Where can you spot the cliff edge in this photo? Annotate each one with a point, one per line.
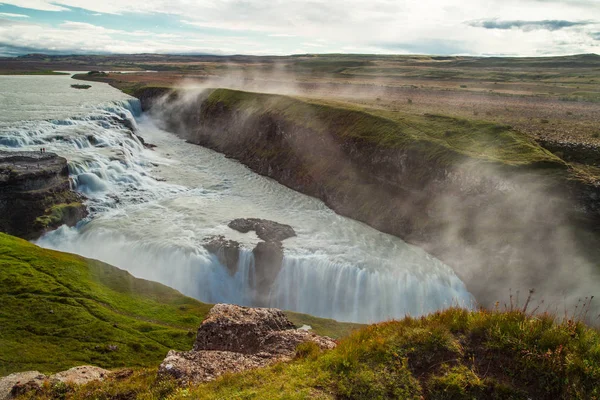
(35, 194)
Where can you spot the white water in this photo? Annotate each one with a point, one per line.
(151, 210)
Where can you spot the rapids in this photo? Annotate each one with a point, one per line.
(150, 211)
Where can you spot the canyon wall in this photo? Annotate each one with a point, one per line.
(503, 216)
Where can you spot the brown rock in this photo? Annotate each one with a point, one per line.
(228, 251)
(239, 329)
(203, 366)
(23, 382)
(234, 339)
(269, 231)
(80, 375)
(15, 384)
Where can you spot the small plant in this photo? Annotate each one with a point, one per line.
(409, 101)
(463, 86)
(569, 113)
(544, 121)
(595, 135)
(307, 350)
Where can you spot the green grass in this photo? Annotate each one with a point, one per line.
(443, 139)
(450, 355)
(59, 310)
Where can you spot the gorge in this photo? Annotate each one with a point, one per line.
(152, 210)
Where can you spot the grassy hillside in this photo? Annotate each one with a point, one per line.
(59, 310)
(441, 138)
(455, 354)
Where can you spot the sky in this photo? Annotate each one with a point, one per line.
(281, 27)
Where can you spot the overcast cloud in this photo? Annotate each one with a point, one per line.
(469, 27)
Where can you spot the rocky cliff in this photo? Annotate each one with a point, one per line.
(35, 194)
(482, 197)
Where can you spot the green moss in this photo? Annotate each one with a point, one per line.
(59, 310)
(56, 214)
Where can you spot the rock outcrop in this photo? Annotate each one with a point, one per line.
(35, 194)
(23, 382)
(234, 339)
(227, 251)
(268, 254)
(269, 231)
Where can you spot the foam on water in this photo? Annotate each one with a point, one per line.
(154, 228)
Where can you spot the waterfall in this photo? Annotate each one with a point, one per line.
(312, 285)
(151, 211)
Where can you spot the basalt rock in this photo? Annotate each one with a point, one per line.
(234, 339)
(228, 251)
(269, 231)
(35, 194)
(268, 259)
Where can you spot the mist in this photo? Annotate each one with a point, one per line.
(502, 229)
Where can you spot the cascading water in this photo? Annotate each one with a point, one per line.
(152, 210)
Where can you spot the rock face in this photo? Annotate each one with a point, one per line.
(233, 339)
(268, 255)
(228, 251)
(23, 382)
(35, 194)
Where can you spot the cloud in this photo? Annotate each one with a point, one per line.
(517, 27)
(11, 15)
(36, 5)
(595, 35)
(550, 25)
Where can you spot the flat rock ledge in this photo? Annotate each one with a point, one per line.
(269, 231)
(23, 382)
(234, 339)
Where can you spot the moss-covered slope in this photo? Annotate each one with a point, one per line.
(455, 354)
(439, 138)
(58, 310)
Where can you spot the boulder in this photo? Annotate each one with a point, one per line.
(23, 382)
(80, 375)
(15, 384)
(239, 329)
(233, 339)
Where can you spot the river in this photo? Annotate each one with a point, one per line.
(151, 210)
